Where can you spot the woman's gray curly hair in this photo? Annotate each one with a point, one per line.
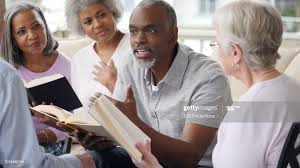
(73, 7)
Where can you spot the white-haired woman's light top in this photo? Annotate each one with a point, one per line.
(254, 131)
(83, 65)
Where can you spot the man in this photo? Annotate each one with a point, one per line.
(177, 94)
(18, 143)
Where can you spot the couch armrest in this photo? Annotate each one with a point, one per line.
(70, 46)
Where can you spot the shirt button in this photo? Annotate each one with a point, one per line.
(155, 94)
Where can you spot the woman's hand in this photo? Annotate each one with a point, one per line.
(106, 74)
(86, 160)
(46, 136)
(149, 160)
(42, 118)
(93, 99)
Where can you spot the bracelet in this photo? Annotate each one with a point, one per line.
(46, 135)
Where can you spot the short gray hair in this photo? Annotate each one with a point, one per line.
(255, 26)
(171, 14)
(9, 50)
(73, 7)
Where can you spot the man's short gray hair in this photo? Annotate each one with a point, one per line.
(171, 14)
(9, 49)
(73, 7)
(255, 26)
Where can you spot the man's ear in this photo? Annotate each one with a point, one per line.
(237, 53)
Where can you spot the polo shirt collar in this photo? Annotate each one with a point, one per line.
(175, 75)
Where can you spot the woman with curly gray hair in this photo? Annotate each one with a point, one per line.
(98, 20)
(30, 47)
(110, 47)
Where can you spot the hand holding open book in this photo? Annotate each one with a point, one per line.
(68, 122)
(105, 119)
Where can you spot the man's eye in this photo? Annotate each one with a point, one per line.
(151, 30)
(132, 31)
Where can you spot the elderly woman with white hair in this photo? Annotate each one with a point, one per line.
(248, 35)
(247, 41)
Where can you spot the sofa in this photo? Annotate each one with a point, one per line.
(289, 62)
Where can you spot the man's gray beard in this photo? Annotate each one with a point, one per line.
(146, 64)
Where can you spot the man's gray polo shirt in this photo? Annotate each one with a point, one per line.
(194, 90)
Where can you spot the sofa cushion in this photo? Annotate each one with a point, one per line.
(293, 68)
(70, 47)
(287, 55)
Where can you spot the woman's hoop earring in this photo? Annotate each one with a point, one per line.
(235, 66)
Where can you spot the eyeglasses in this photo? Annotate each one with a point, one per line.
(214, 45)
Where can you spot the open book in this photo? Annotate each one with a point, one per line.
(103, 119)
(70, 121)
(53, 89)
(124, 131)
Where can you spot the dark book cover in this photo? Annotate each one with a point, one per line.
(59, 92)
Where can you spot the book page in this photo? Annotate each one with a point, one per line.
(131, 133)
(117, 124)
(96, 129)
(69, 121)
(58, 112)
(81, 119)
(42, 80)
(102, 118)
(135, 134)
(50, 118)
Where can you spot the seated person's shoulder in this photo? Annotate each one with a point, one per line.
(7, 72)
(201, 66)
(283, 89)
(64, 58)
